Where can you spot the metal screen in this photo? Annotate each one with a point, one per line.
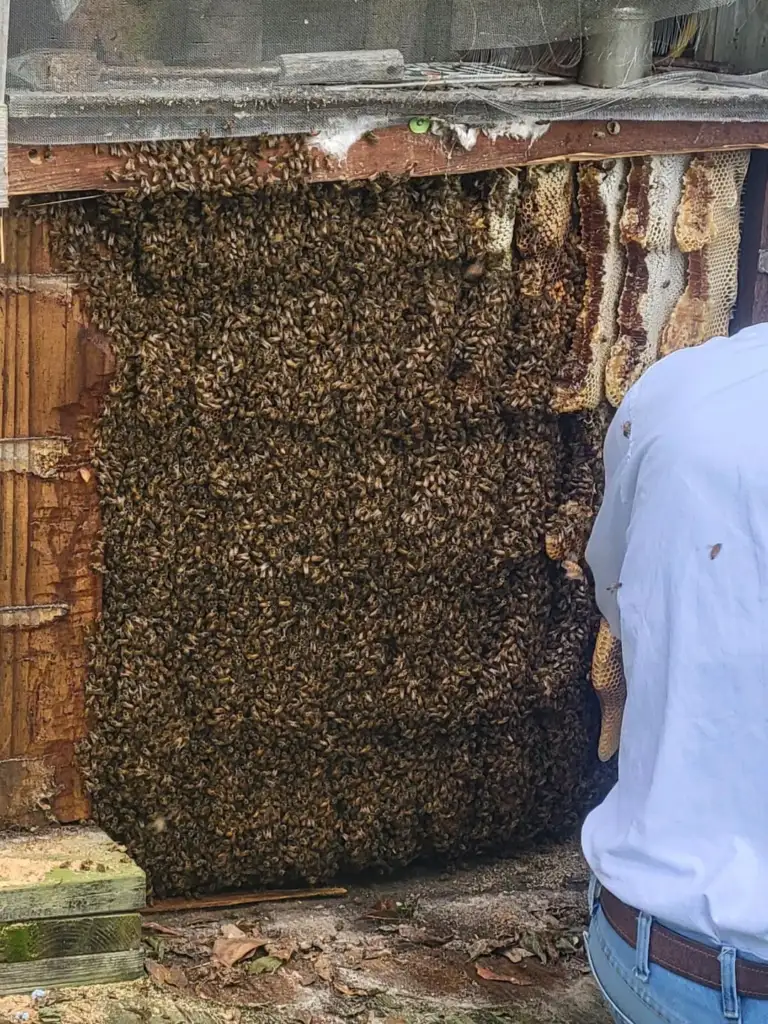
(128, 70)
(103, 36)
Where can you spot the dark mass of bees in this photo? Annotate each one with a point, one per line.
(332, 638)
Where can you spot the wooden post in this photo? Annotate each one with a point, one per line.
(51, 378)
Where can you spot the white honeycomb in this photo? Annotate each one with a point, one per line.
(501, 219)
(655, 277)
(708, 231)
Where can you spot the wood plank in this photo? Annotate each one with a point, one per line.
(342, 66)
(66, 872)
(23, 941)
(53, 376)
(399, 151)
(68, 971)
(239, 899)
(737, 34)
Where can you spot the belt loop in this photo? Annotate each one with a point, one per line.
(593, 896)
(643, 946)
(731, 1002)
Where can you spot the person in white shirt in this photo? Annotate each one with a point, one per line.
(679, 556)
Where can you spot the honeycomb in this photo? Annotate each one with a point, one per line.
(331, 636)
(708, 232)
(611, 689)
(501, 218)
(655, 273)
(602, 190)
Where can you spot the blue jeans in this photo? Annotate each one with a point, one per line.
(641, 993)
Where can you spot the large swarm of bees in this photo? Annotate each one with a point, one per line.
(345, 623)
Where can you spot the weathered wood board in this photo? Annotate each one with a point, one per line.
(66, 872)
(52, 376)
(23, 941)
(67, 971)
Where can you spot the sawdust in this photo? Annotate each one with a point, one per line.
(41, 855)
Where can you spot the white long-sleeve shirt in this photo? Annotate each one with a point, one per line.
(679, 554)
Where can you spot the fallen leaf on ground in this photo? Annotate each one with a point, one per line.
(160, 929)
(421, 936)
(517, 954)
(231, 931)
(323, 968)
(483, 947)
(229, 952)
(345, 990)
(163, 975)
(265, 965)
(282, 950)
(488, 975)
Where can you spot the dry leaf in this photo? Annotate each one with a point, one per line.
(483, 947)
(229, 952)
(161, 929)
(517, 954)
(345, 990)
(231, 931)
(265, 965)
(283, 950)
(163, 975)
(488, 975)
(420, 936)
(323, 968)
(177, 977)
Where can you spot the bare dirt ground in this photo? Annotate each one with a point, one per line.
(497, 943)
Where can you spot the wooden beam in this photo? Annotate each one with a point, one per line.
(73, 872)
(53, 372)
(399, 151)
(23, 941)
(68, 971)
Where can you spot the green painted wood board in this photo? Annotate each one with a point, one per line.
(61, 972)
(66, 872)
(48, 939)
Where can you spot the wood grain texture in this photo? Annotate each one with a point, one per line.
(51, 379)
(239, 899)
(68, 971)
(26, 790)
(23, 941)
(399, 151)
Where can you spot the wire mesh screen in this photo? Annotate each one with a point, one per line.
(129, 70)
(246, 33)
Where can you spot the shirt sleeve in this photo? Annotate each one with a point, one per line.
(608, 542)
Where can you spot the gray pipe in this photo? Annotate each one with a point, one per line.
(618, 50)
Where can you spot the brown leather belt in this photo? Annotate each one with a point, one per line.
(682, 956)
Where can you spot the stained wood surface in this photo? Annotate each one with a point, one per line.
(66, 872)
(239, 899)
(399, 151)
(23, 941)
(68, 971)
(51, 379)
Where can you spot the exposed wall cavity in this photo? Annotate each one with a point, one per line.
(345, 620)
